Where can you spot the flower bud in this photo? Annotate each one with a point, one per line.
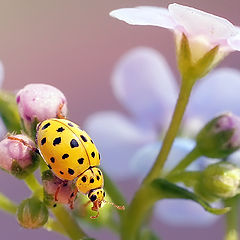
(38, 102)
(50, 185)
(220, 137)
(32, 213)
(16, 158)
(219, 180)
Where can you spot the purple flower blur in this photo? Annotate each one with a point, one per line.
(144, 84)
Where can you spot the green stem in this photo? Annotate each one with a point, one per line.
(68, 223)
(53, 225)
(32, 183)
(136, 211)
(172, 131)
(142, 200)
(189, 178)
(7, 205)
(232, 219)
(185, 162)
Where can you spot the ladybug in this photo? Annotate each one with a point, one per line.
(72, 155)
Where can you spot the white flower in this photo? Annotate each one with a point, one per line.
(203, 30)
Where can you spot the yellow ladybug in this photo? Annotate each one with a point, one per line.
(71, 154)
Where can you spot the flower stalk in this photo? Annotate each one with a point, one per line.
(232, 219)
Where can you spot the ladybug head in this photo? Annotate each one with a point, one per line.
(96, 196)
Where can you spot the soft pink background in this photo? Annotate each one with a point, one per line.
(74, 45)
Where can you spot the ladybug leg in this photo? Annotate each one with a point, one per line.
(72, 198)
(59, 112)
(24, 143)
(60, 186)
(95, 208)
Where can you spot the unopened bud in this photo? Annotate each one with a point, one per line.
(50, 185)
(220, 137)
(17, 158)
(220, 180)
(32, 213)
(38, 102)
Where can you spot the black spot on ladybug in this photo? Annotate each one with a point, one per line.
(43, 141)
(70, 124)
(91, 180)
(93, 198)
(97, 193)
(61, 129)
(46, 126)
(65, 156)
(98, 178)
(49, 166)
(99, 156)
(56, 141)
(84, 179)
(83, 138)
(99, 172)
(61, 172)
(80, 160)
(74, 143)
(52, 159)
(93, 154)
(70, 171)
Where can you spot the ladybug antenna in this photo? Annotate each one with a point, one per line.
(116, 206)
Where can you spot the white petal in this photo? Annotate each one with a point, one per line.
(180, 212)
(234, 42)
(154, 16)
(218, 92)
(197, 22)
(117, 139)
(1, 73)
(144, 84)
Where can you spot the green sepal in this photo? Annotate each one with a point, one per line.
(48, 199)
(184, 56)
(47, 175)
(191, 71)
(9, 112)
(20, 172)
(33, 130)
(206, 63)
(165, 189)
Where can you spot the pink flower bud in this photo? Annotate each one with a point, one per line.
(51, 184)
(220, 137)
(17, 158)
(40, 102)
